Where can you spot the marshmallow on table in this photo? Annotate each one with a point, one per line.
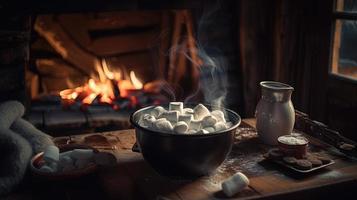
(186, 118)
(195, 125)
(208, 121)
(82, 154)
(176, 106)
(188, 111)
(51, 154)
(219, 126)
(181, 127)
(235, 184)
(157, 111)
(163, 125)
(200, 111)
(219, 115)
(171, 116)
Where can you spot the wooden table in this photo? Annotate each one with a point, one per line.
(133, 178)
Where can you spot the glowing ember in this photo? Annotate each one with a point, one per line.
(102, 87)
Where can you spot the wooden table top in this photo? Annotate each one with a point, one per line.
(133, 178)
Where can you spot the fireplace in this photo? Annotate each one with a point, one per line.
(87, 69)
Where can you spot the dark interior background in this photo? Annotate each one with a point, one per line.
(287, 41)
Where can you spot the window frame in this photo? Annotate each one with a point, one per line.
(335, 38)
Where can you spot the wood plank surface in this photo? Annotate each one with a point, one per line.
(133, 178)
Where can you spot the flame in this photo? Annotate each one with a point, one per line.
(103, 86)
(137, 84)
(89, 99)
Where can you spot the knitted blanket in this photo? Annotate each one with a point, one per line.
(19, 141)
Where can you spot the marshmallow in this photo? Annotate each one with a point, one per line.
(235, 184)
(188, 111)
(186, 118)
(176, 106)
(181, 127)
(200, 111)
(195, 125)
(209, 121)
(51, 154)
(148, 120)
(209, 129)
(141, 122)
(229, 124)
(191, 131)
(219, 115)
(202, 131)
(219, 126)
(171, 116)
(163, 125)
(46, 169)
(157, 111)
(82, 154)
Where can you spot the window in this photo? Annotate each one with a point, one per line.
(344, 58)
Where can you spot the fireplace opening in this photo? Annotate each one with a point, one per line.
(90, 71)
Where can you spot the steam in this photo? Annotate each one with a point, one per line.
(213, 79)
(211, 63)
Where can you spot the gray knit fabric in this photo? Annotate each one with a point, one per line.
(19, 140)
(9, 112)
(14, 158)
(38, 140)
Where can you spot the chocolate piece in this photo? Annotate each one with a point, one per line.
(314, 161)
(303, 164)
(324, 159)
(290, 160)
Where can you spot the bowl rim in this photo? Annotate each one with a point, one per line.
(137, 126)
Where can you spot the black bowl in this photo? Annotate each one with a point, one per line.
(181, 155)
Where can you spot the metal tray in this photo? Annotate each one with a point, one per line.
(301, 170)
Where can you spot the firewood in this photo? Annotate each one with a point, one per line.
(55, 67)
(50, 29)
(32, 81)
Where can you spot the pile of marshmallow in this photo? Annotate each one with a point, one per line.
(54, 162)
(178, 119)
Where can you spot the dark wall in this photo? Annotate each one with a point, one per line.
(14, 55)
(286, 41)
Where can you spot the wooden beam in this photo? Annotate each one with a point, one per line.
(51, 30)
(123, 19)
(337, 39)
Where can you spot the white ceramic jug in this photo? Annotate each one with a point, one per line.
(275, 112)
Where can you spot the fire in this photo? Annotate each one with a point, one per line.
(102, 87)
